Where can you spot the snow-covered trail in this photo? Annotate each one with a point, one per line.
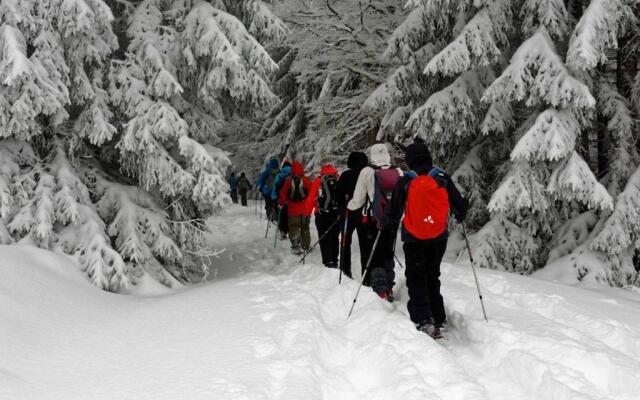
(266, 327)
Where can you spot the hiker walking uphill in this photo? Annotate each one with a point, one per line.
(325, 196)
(233, 185)
(283, 218)
(295, 195)
(372, 194)
(354, 221)
(243, 186)
(425, 195)
(265, 184)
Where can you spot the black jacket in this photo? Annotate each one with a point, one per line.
(348, 179)
(394, 211)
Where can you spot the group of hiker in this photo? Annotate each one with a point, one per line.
(370, 198)
(239, 185)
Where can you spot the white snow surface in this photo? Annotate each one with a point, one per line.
(266, 327)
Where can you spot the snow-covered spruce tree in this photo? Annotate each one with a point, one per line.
(327, 68)
(503, 110)
(75, 129)
(602, 47)
(442, 53)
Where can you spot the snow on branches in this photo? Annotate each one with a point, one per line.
(552, 15)
(573, 180)
(622, 228)
(552, 137)
(597, 31)
(474, 46)
(536, 74)
(138, 91)
(449, 114)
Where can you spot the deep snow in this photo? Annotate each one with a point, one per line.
(266, 327)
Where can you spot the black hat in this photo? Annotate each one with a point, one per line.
(357, 160)
(417, 154)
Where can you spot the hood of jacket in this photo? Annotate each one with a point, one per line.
(357, 160)
(297, 168)
(328, 170)
(380, 155)
(285, 171)
(272, 164)
(418, 155)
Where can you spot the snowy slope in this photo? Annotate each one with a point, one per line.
(268, 328)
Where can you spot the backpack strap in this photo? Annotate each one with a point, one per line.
(438, 174)
(435, 171)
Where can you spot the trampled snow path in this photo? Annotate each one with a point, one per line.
(268, 328)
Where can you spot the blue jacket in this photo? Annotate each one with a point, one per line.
(280, 180)
(261, 183)
(233, 182)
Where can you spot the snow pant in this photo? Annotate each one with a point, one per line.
(299, 231)
(243, 197)
(364, 240)
(329, 245)
(423, 281)
(283, 222)
(269, 205)
(382, 264)
(234, 196)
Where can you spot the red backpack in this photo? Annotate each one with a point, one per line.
(427, 208)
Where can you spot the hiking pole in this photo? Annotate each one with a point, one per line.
(318, 241)
(343, 241)
(475, 276)
(395, 240)
(398, 260)
(275, 240)
(266, 234)
(366, 270)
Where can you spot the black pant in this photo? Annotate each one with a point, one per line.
(423, 281)
(330, 244)
(268, 205)
(243, 197)
(381, 270)
(234, 196)
(365, 241)
(283, 220)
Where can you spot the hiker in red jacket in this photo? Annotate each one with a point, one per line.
(295, 195)
(325, 198)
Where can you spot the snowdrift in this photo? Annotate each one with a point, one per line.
(269, 328)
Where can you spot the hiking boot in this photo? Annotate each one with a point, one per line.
(283, 236)
(390, 297)
(430, 329)
(442, 326)
(332, 264)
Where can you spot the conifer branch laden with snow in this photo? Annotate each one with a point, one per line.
(523, 134)
(86, 109)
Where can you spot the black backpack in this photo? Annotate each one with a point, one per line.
(327, 194)
(297, 192)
